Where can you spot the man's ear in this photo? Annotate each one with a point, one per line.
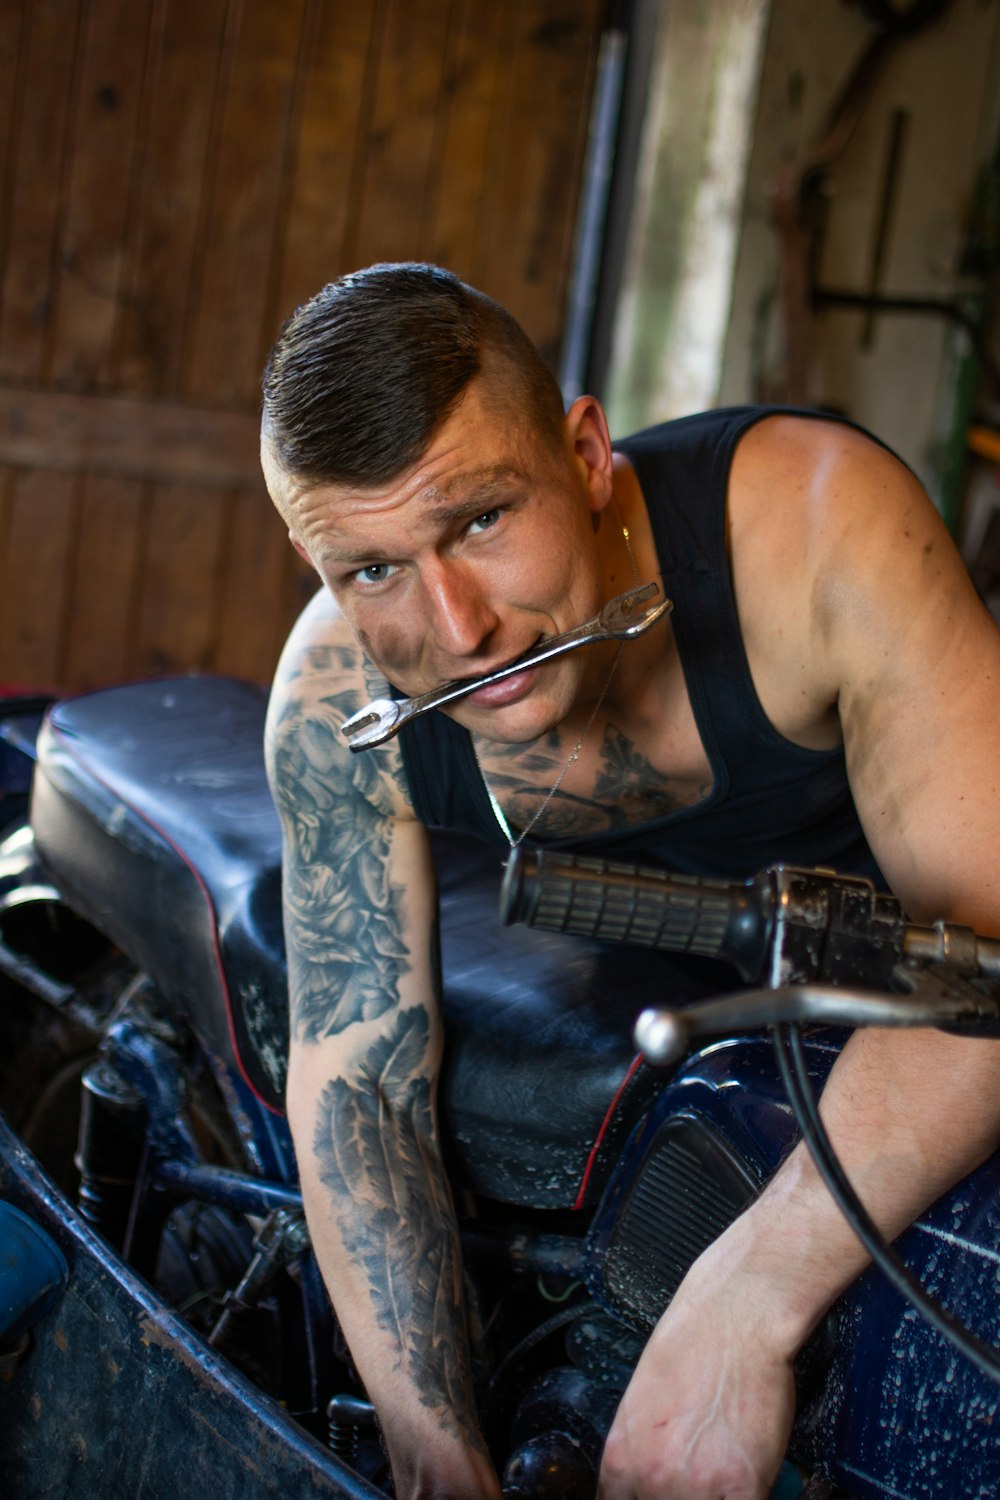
(589, 441)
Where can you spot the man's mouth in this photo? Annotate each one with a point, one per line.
(620, 619)
(509, 664)
(508, 689)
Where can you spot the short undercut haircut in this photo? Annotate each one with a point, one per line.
(364, 374)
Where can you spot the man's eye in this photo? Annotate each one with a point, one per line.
(486, 520)
(375, 572)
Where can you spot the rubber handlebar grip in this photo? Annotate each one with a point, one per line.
(651, 908)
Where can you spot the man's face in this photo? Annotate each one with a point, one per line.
(480, 551)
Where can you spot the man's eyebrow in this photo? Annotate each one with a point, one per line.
(351, 558)
(478, 488)
(487, 485)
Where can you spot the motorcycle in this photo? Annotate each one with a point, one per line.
(163, 1326)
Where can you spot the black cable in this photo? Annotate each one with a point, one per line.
(906, 21)
(875, 302)
(798, 1087)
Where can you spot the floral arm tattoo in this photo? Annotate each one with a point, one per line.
(411, 1264)
(346, 951)
(375, 1142)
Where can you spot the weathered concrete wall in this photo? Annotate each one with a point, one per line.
(903, 379)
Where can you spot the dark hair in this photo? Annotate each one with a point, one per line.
(363, 375)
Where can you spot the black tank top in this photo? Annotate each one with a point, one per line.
(771, 800)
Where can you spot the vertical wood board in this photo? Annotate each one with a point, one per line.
(13, 29)
(37, 149)
(40, 532)
(88, 279)
(536, 163)
(479, 60)
(7, 479)
(400, 162)
(177, 615)
(247, 195)
(99, 616)
(317, 236)
(163, 228)
(254, 594)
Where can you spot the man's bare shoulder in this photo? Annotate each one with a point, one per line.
(819, 516)
(814, 481)
(834, 549)
(322, 678)
(854, 531)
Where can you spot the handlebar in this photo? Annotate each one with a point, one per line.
(828, 947)
(651, 908)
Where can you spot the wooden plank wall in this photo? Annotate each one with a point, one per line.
(175, 177)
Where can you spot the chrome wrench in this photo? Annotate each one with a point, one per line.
(621, 618)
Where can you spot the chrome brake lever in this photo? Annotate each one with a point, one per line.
(622, 618)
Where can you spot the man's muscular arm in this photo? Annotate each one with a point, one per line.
(364, 1054)
(885, 627)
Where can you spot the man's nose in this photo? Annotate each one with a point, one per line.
(463, 620)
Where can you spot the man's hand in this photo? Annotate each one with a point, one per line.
(709, 1410)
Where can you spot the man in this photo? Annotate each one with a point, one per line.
(417, 448)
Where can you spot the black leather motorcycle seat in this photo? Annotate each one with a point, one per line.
(150, 807)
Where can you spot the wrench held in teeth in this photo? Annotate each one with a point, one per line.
(620, 619)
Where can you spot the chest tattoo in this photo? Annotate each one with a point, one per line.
(636, 790)
(627, 790)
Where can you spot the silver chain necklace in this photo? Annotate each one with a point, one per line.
(574, 756)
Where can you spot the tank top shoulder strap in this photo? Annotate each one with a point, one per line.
(444, 780)
(683, 468)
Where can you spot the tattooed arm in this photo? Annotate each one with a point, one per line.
(365, 1048)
